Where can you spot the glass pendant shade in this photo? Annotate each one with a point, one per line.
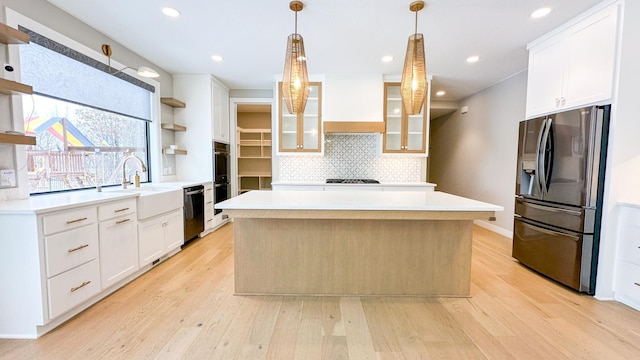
(414, 76)
(295, 82)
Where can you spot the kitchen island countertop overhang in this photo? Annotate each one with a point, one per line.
(440, 205)
(361, 243)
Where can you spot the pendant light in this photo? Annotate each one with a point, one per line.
(295, 82)
(414, 74)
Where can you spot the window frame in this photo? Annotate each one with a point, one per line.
(152, 131)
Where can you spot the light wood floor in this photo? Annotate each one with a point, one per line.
(185, 309)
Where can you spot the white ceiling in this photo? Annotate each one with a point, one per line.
(341, 36)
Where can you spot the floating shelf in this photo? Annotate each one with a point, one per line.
(9, 87)
(174, 127)
(251, 131)
(174, 152)
(9, 35)
(174, 103)
(17, 139)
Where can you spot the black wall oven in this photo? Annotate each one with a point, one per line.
(221, 173)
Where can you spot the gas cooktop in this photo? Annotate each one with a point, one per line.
(352, 181)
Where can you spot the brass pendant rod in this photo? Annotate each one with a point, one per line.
(416, 29)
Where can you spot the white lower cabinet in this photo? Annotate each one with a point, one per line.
(56, 263)
(627, 274)
(174, 230)
(68, 249)
(118, 241)
(159, 235)
(73, 287)
(209, 223)
(118, 249)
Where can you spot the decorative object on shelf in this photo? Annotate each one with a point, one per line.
(295, 82)
(414, 73)
(142, 70)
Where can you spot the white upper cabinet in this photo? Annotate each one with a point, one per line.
(573, 67)
(220, 119)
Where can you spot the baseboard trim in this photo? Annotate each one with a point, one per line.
(494, 228)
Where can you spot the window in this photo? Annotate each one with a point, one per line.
(85, 119)
(79, 146)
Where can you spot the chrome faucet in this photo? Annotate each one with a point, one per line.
(124, 173)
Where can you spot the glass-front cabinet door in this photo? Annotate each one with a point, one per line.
(403, 133)
(302, 132)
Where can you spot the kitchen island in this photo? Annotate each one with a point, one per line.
(353, 243)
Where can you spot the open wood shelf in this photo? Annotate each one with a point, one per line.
(174, 127)
(9, 35)
(244, 130)
(174, 152)
(17, 139)
(9, 87)
(174, 103)
(254, 148)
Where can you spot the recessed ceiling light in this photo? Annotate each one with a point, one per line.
(472, 59)
(440, 93)
(541, 12)
(170, 11)
(387, 58)
(217, 58)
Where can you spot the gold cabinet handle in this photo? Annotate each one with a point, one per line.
(76, 220)
(122, 221)
(123, 209)
(80, 286)
(79, 248)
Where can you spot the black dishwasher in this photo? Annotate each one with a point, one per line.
(193, 211)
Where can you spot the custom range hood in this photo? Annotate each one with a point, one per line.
(353, 104)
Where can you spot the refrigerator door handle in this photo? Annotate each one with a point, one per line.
(549, 231)
(550, 209)
(538, 170)
(542, 159)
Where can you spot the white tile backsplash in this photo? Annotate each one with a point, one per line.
(350, 157)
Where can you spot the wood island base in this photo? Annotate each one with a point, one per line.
(298, 256)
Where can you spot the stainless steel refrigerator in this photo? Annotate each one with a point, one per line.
(559, 187)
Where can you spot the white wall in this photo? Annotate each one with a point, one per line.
(474, 154)
(623, 165)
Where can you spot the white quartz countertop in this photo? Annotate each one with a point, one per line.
(358, 200)
(59, 201)
(324, 183)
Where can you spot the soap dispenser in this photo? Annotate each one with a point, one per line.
(137, 179)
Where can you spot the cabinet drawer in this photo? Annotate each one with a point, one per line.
(67, 220)
(118, 208)
(627, 281)
(208, 194)
(71, 248)
(73, 287)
